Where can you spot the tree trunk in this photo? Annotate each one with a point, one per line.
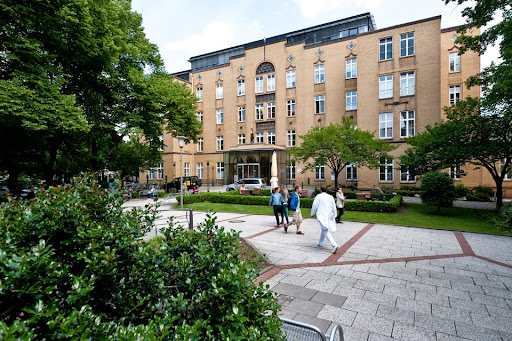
(499, 193)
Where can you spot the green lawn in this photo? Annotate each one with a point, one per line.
(462, 219)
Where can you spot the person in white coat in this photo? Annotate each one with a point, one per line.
(325, 210)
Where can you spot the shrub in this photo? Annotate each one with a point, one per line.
(504, 219)
(480, 193)
(73, 266)
(461, 190)
(437, 190)
(375, 206)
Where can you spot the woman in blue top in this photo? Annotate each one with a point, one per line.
(275, 201)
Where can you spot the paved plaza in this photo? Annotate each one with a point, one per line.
(385, 282)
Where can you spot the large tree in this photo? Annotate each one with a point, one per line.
(92, 62)
(339, 145)
(468, 137)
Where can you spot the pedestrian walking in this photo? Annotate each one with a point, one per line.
(340, 204)
(275, 201)
(295, 208)
(325, 210)
(284, 205)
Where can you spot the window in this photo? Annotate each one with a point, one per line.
(271, 82)
(220, 143)
(290, 170)
(271, 137)
(220, 170)
(386, 169)
(508, 174)
(219, 94)
(454, 62)
(259, 84)
(290, 138)
(405, 174)
(200, 116)
(220, 116)
(407, 84)
(319, 104)
(455, 172)
(241, 114)
(161, 143)
(199, 94)
(454, 94)
(319, 74)
(200, 170)
(407, 123)
(386, 125)
(241, 87)
(151, 173)
(271, 110)
(386, 48)
(351, 100)
(186, 169)
(241, 138)
(319, 172)
(351, 68)
(200, 144)
(290, 108)
(290, 79)
(259, 137)
(351, 171)
(259, 111)
(386, 86)
(407, 44)
(160, 171)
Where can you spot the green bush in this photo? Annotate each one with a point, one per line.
(375, 206)
(73, 266)
(504, 219)
(461, 190)
(480, 193)
(483, 189)
(437, 190)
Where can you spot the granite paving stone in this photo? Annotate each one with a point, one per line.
(338, 315)
(451, 314)
(492, 301)
(498, 312)
(470, 306)
(473, 332)
(373, 324)
(361, 306)
(454, 293)
(305, 307)
(496, 323)
(369, 285)
(380, 298)
(432, 298)
(294, 291)
(410, 333)
(416, 306)
(395, 314)
(348, 291)
(399, 291)
(437, 324)
(447, 337)
(330, 299)
(378, 337)
(321, 324)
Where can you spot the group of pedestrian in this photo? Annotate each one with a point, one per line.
(328, 212)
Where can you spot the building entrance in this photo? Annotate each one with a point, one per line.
(248, 170)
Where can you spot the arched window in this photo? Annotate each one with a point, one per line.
(265, 67)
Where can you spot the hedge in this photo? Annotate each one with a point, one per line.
(357, 205)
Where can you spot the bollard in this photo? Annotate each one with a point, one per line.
(191, 220)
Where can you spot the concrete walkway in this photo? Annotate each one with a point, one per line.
(385, 282)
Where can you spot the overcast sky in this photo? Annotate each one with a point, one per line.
(186, 28)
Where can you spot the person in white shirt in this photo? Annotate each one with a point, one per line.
(325, 210)
(340, 204)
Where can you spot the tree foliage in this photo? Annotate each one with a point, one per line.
(437, 189)
(468, 137)
(74, 265)
(339, 145)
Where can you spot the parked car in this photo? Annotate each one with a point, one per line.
(190, 180)
(250, 183)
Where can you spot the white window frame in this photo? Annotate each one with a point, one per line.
(199, 93)
(220, 143)
(386, 125)
(454, 94)
(385, 86)
(220, 170)
(320, 105)
(271, 137)
(241, 138)
(351, 100)
(160, 171)
(241, 87)
(259, 112)
(405, 175)
(258, 84)
(199, 168)
(200, 116)
(271, 110)
(455, 172)
(186, 169)
(290, 79)
(290, 170)
(290, 108)
(454, 60)
(351, 68)
(386, 170)
(259, 137)
(200, 143)
(241, 113)
(407, 83)
(407, 43)
(351, 172)
(220, 116)
(271, 82)
(319, 74)
(407, 123)
(290, 138)
(320, 172)
(219, 91)
(508, 175)
(386, 47)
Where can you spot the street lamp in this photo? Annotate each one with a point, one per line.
(181, 143)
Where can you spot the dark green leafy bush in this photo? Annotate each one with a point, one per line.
(480, 193)
(504, 219)
(73, 266)
(375, 206)
(461, 190)
(437, 190)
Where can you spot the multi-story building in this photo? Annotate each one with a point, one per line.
(259, 97)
